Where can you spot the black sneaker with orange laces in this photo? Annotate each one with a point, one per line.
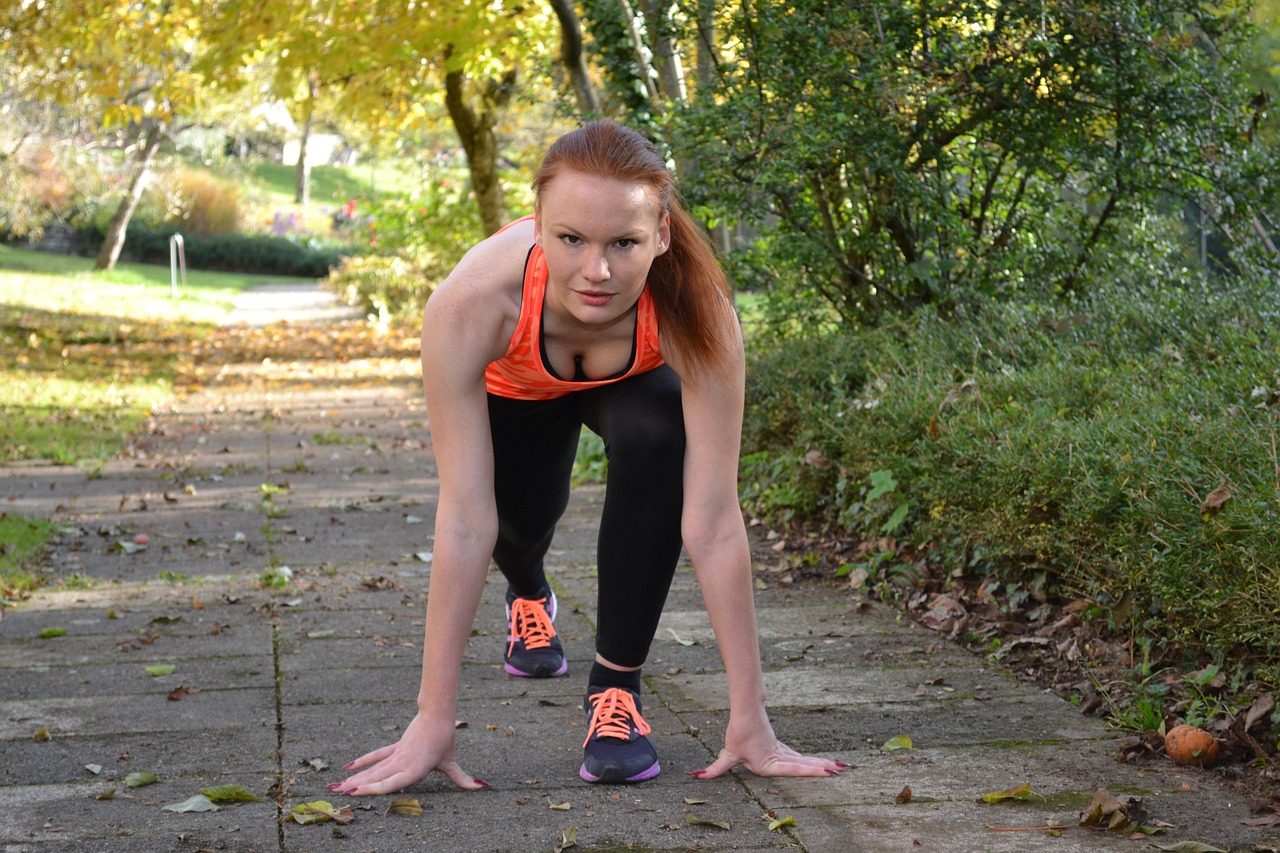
(533, 650)
(616, 750)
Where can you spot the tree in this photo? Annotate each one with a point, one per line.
(128, 62)
(912, 151)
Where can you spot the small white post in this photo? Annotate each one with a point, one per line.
(177, 262)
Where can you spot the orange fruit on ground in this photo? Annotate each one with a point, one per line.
(1189, 745)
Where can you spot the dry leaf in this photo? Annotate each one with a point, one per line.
(562, 807)
(405, 805)
(781, 822)
(904, 796)
(1216, 499)
(1017, 792)
(568, 838)
(693, 820)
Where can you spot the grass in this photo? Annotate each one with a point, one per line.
(24, 540)
(86, 356)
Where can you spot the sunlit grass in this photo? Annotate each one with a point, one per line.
(85, 356)
(24, 540)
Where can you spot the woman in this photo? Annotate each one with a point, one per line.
(608, 308)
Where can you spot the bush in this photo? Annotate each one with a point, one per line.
(383, 286)
(202, 205)
(1070, 448)
(266, 254)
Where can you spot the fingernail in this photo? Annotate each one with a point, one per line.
(842, 764)
(483, 784)
(349, 792)
(333, 786)
(833, 772)
(349, 765)
(697, 774)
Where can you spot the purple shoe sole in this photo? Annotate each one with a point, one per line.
(613, 779)
(511, 670)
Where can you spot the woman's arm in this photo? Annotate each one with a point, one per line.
(463, 327)
(716, 539)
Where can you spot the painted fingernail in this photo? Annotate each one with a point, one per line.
(483, 784)
(833, 772)
(843, 764)
(349, 792)
(349, 765)
(333, 786)
(697, 774)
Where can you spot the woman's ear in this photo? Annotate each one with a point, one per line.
(664, 234)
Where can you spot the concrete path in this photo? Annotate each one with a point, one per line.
(287, 522)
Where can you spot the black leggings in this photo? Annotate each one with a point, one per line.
(534, 445)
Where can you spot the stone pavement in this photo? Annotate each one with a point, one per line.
(285, 517)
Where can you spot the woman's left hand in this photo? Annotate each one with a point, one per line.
(764, 755)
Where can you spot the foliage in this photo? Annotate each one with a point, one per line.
(911, 154)
(1075, 445)
(383, 286)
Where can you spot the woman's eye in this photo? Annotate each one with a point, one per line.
(570, 239)
(626, 243)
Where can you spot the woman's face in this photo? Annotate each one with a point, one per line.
(600, 237)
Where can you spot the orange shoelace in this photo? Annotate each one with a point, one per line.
(530, 623)
(613, 713)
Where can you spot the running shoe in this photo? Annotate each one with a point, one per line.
(533, 650)
(616, 750)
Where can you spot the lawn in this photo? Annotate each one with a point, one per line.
(86, 356)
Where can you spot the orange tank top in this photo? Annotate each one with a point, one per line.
(522, 373)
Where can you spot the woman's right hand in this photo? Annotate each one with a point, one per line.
(426, 745)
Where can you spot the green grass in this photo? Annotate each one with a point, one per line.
(86, 356)
(25, 539)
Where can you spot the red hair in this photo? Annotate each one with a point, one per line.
(687, 283)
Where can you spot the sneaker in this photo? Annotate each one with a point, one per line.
(616, 749)
(533, 650)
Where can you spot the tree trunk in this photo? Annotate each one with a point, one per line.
(113, 243)
(475, 131)
(574, 58)
(302, 177)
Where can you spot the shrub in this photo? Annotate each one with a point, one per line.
(1072, 448)
(383, 286)
(201, 204)
(266, 254)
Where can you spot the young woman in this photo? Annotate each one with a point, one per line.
(607, 308)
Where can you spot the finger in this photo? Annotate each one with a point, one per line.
(461, 778)
(724, 762)
(795, 764)
(392, 783)
(371, 757)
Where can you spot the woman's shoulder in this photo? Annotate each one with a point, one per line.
(480, 298)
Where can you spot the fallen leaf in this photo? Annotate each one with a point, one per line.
(231, 794)
(107, 793)
(568, 838)
(896, 743)
(159, 670)
(1017, 792)
(319, 811)
(1190, 847)
(140, 779)
(904, 796)
(42, 736)
(198, 803)
(178, 693)
(562, 807)
(694, 801)
(680, 639)
(50, 633)
(774, 826)
(405, 805)
(1216, 499)
(694, 820)
(95, 769)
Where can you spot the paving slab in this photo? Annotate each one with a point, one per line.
(310, 465)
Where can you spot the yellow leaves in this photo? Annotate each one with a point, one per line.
(1021, 793)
